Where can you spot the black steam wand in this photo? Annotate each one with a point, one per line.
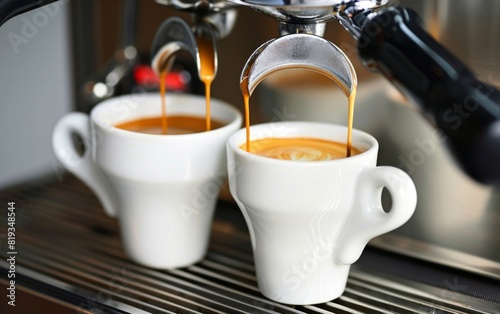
(467, 110)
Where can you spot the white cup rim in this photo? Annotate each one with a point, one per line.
(236, 117)
(358, 137)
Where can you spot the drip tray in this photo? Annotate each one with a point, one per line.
(69, 253)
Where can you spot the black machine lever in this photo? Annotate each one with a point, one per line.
(467, 110)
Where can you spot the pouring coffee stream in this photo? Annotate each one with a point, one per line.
(175, 35)
(299, 51)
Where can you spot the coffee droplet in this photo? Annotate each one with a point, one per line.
(299, 149)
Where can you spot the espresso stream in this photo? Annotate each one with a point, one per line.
(181, 124)
(299, 148)
(207, 71)
(207, 75)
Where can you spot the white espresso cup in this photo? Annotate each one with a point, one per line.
(310, 220)
(162, 188)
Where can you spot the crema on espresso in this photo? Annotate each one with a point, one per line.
(176, 125)
(299, 149)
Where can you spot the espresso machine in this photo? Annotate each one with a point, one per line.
(391, 41)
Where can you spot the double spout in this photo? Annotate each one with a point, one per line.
(175, 35)
(304, 51)
(212, 21)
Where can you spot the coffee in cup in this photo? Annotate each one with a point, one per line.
(299, 149)
(176, 125)
(310, 220)
(162, 188)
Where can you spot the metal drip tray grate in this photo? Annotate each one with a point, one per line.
(69, 250)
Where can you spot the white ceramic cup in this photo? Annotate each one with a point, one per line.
(162, 188)
(309, 221)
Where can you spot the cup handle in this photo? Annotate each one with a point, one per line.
(368, 219)
(82, 166)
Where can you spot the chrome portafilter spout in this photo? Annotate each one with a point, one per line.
(299, 47)
(304, 51)
(213, 20)
(172, 36)
(301, 24)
